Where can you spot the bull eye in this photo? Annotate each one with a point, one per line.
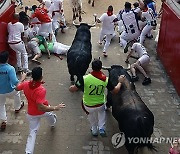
(145, 117)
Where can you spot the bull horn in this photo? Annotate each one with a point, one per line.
(128, 68)
(106, 68)
(94, 24)
(95, 17)
(75, 24)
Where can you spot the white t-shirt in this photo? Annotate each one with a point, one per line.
(139, 49)
(15, 30)
(47, 3)
(107, 23)
(57, 4)
(148, 15)
(137, 10)
(129, 21)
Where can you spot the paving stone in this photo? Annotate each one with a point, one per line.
(72, 134)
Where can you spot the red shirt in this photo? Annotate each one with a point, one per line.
(35, 94)
(41, 14)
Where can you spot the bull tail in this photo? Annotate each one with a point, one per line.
(145, 131)
(79, 69)
(148, 148)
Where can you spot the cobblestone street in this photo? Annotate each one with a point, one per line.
(72, 134)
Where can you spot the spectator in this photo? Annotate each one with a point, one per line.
(38, 106)
(175, 147)
(140, 64)
(94, 96)
(8, 83)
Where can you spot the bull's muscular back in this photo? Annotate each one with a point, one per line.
(83, 34)
(133, 116)
(79, 55)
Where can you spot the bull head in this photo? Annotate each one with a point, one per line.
(89, 26)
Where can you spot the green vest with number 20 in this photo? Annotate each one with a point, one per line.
(94, 90)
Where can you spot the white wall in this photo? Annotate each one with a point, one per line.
(4, 5)
(174, 5)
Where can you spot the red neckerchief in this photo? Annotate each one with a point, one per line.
(14, 21)
(98, 74)
(109, 13)
(35, 84)
(145, 10)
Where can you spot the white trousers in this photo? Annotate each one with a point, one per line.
(34, 124)
(21, 54)
(60, 48)
(45, 28)
(96, 117)
(108, 39)
(147, 29)
(17, 103)
(33, 31)
(56, 20)
(127, 37)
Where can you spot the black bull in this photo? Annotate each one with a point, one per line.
(79, 55)
(133, 116)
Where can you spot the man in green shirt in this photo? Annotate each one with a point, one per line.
(94, 98)
(34, 46)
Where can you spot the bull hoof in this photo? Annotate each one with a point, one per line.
(80, 19)
(72, 82)
(89, 1)
(74, 17)
(72, 79)
(92, 4)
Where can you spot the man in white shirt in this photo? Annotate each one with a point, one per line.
(46, 3)
(132, 31)
(150, 19)
(140, 64)
(58, 19)
(15, 41)
(107, 29)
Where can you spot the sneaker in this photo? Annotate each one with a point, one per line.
(27, 71)
(100, 43)
(105, 54)
(55, 120)
(94, 133)
(62, 30)
(30, 55)
(3, 126)
(135, 78)
(149, 37)
(36, 61)
(56, 32)
(146, 81)
(21, 7)
(102, 132)
(22, 105)
(19, 69)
